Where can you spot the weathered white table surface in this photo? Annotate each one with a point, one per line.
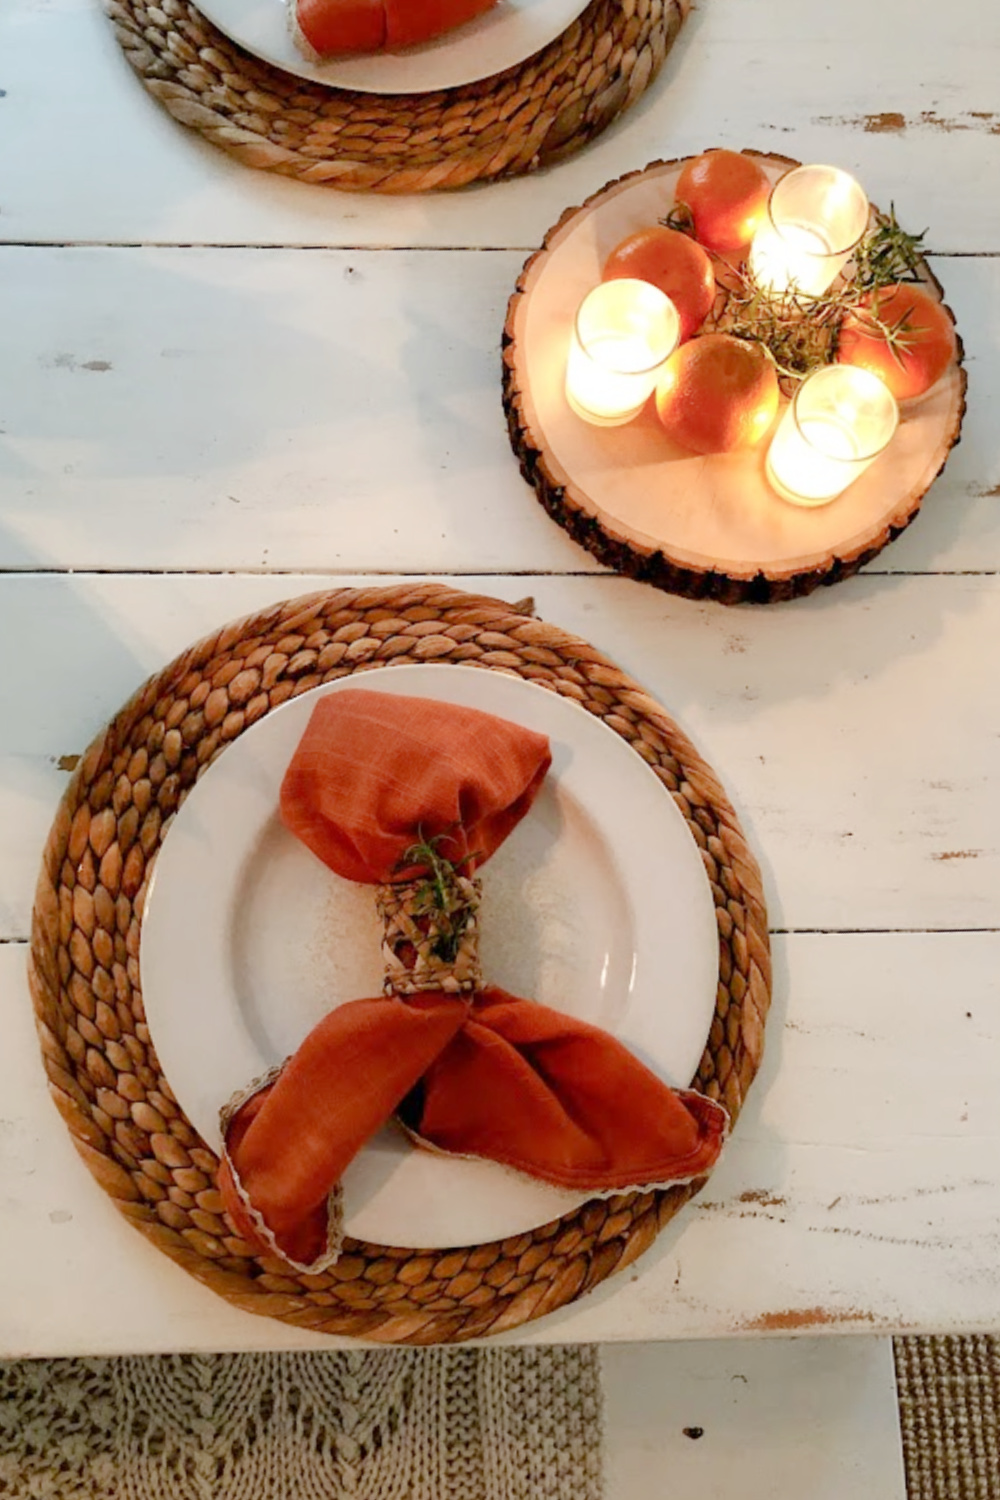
(218, 389)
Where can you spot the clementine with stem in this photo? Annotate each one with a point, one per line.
(727, 194)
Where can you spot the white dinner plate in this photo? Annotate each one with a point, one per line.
(597, 905)
(506, 35)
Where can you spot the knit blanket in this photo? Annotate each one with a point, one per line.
(400, 1424)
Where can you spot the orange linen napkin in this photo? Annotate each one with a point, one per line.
(336, 28)
(485, 1075)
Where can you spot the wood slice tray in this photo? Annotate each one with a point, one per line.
(101, 1062)
(524, 118)
(704, 527)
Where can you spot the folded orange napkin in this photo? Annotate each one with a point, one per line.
(478, 1073)
(334, 28)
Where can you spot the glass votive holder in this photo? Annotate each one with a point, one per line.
(839, 421)
(625, 331)
(815, 217)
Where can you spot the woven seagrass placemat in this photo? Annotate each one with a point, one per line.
(87, 923)
(517, 121)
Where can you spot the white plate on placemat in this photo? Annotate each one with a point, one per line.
(597, 905)
(511, 32)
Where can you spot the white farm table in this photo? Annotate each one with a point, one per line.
(219, 389)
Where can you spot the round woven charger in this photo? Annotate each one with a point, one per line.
(517, 121)
(87, 924)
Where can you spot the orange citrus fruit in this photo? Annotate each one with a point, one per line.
(909, 347)
(717, 393)
(674, 263)
(727, 194)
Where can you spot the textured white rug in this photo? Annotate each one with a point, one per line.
(435, 1424)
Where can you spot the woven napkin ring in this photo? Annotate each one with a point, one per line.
(431, 937)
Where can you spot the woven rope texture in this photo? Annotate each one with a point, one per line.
(416, 930)
(84, 962)
(949, 1412)
(517, 121)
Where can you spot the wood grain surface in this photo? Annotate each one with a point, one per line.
(190, 409)
(219, 388)
(87, 156)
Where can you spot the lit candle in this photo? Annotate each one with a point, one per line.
(839, 421)
(625, 331)
(815, 217)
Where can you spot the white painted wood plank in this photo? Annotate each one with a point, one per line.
(813, 1418)
(326, 411)
(852, 730)
(85, 154)
(860, 1192)
(260, 409)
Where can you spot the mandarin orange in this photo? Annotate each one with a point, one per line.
(673, 262)
(727, 194)
(717, 393)
(909, 347)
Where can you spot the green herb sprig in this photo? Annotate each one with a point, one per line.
(439, 893)
(800, 330)
(887, 255)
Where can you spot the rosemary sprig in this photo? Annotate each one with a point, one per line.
(887, 255)
(800, 330)
(439, 893)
